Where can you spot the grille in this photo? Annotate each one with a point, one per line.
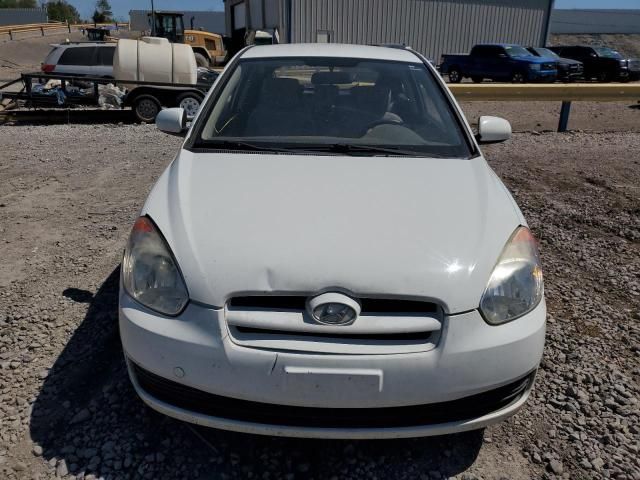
(298, 303)
(281, 322)
(204, 403)
(548, 66)
(414, 336)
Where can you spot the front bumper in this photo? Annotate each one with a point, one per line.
(542, 74)
(189, 368)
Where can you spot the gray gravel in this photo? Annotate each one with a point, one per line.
(68, 195)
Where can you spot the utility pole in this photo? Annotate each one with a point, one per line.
(153, 20)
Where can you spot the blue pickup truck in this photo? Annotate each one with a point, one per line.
(500, 62)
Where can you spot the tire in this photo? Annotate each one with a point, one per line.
(146, 108)
(201, 60)
(518, 77)
(477, 79)
(455, 75)
(190, 102)
(604, 77)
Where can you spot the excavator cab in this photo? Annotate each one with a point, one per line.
(169, 25)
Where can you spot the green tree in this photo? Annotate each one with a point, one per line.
(102, 13)
(97, 17)
(61, 11)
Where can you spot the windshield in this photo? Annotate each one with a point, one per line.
(545, 52)
(334, 105)
(607, 52)
(517, 51)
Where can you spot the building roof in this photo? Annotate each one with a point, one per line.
(332, 50)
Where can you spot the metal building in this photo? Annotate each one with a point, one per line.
(20, 16)
(208, 21)
(432, 27)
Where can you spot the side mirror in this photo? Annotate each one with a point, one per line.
(493, 130)
(172, 121)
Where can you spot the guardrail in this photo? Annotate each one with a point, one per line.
(50, 26)
(587, 92)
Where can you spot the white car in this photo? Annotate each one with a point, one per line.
(329, 255)
(91, 59)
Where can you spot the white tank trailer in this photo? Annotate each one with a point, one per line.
(153, 59)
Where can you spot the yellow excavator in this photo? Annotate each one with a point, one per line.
(208, 47)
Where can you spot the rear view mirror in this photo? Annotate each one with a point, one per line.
(493, 130)
(172, 120)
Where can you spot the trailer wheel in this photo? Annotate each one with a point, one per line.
(455, 75)
(201, 60)
(190, 102)
(146, 107)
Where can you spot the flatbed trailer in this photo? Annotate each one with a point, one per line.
(145, 98)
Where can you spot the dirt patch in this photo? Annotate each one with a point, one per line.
(627, 44)
(68, 197)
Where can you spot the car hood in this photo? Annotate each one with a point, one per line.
(567, 61)
(534, 59)
(389, 226)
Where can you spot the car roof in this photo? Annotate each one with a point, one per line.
(498, 45)
(83, 44)
(336, 50)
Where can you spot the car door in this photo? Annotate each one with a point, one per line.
(589, 59)
(104, 63)
(76, 60)
(483, 62)
(502, 63)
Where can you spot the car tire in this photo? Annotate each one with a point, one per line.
(201, 60)
(455, 75)
(477, 79)
(146, 108)
(518, 77)
(604, 77)
(190, 102)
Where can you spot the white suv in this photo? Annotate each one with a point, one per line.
(329, 255)
(83, 59)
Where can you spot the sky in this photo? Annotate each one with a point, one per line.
(121, 7)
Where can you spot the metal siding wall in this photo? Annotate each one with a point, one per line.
(22, 16)
(432, 27)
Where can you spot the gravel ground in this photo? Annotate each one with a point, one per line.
(68, 196)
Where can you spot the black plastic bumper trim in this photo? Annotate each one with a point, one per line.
(205, 403)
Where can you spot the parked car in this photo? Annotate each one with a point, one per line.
(601, 63)
(330, 255)
(568, 69)
(91, 59)
(501, 62)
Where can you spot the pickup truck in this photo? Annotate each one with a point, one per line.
(602, 63)
(568, 69)
(502, 62)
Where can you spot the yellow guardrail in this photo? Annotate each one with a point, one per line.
(45, 27)
(532, 92)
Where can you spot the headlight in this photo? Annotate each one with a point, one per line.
(515, 287)
(150, 274)
(534, 66)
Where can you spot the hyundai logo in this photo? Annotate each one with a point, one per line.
(333, 309)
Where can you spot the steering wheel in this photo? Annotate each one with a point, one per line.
(384, 121)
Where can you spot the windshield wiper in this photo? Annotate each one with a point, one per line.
(337, 148)
(234, 145)
(349, 149)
